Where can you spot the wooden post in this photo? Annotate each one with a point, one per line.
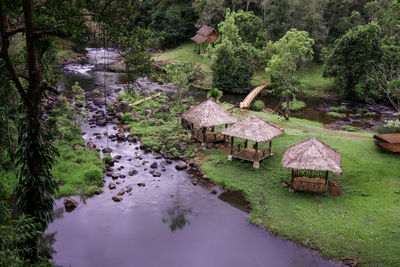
(230, 156)
(226, 126)
(245, 143)
(270, 146)
(204, 136)
(256, 155)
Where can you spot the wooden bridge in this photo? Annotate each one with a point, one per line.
(246, 103)
(389, 142)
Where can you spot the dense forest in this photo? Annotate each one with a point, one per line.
(355, 42)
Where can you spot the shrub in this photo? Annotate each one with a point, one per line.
(349, 128)
(258, 105)
(93, 175)
(214, 93)
(126, 117)
(338, 109)
(336, 115)
(107, 159)
(371, 114)
(390, 126)
(294, 105)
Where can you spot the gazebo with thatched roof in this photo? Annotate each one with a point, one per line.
(311, 161)
(208, 115)
(256, 129)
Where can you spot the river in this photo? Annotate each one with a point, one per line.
(164, 221)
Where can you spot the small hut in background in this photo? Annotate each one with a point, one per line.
(205, 35)
(207, 115)
(256, 129)
(311, 161)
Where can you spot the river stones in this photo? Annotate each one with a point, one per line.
(107, 150)
(117, 198)
(122, 175)
(128, 188)
(132, 172)
(96, 192)
(181, 166)
(101, 122)
(90, 146)
(114, 176)
(154, 165)
(156, 174)
(214, 190)
(111, 186)
(168, 161)
(121, 136)
(70, 204)
(141, 184)
(118, 157)
(121, 192)
(157, 156)
(99, 101)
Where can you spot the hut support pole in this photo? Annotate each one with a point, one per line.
(230, 156)
(226, 126)
(256, 164)
(204, 136)
(326, 181)
(270, 146)
(245, 143)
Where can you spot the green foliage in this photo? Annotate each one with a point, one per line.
(349, 128)
(294, 105)
(93, 175)
(353, 56)
(289, 53)
(258, 105)
(248, 25)
(390, 126)
(215, 93)
(231, 64)
(339, 109)
(336, 115)
(387, 14)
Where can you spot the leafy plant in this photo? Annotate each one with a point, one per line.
(294, 105)
(389, 126)
(336, 115)
(338, 109)
(258, 105)
(215, 93)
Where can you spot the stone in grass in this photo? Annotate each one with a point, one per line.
(111, 186)
(181, 166)
(70, 204)
(117, 198)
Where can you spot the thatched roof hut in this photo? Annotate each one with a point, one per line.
(312, 154)
(208, 114)
(205, 34)
(254, 128)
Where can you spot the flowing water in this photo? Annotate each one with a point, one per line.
(165, 220)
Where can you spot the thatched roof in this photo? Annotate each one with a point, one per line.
(312, 154)
(208, 114)
(203, 34)
(254, 128)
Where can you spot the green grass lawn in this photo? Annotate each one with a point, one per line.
(362, 223)
(310, 74)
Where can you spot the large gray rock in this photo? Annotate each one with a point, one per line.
(117, 198)
(181, 166)
(70, 204)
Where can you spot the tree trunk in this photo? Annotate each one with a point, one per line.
(33, 99)
(11, 145)
(287, 110)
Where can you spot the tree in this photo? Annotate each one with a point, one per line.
(231, 64)
(387, 14)
(248, 25)
(289, 54)
(385, 77)
(215, 93)
(353, 56)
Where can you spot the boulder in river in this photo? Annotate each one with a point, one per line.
(141, 184)
(117, 198)
(156, 174)
(121, 192)
(99, 101)
(70, 204)
(122, 106)
(181, 166)
(101, 122)
(107, 150)
(128, 189)
(132, 172)
(111, 186)
(154, 165)
(96, 192)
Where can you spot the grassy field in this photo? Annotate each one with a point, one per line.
(361, 224)
(311, 74)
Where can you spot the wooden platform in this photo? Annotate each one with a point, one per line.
(211, 137)
(249, 154)
(389, 142)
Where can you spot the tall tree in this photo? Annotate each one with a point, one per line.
(289, 54)
(353, 56)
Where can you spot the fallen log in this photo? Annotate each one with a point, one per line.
(144, 99)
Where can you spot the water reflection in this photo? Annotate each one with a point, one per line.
(175, 217)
